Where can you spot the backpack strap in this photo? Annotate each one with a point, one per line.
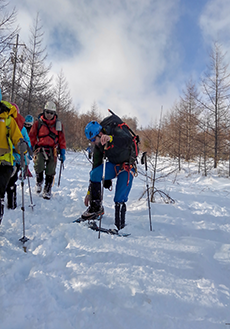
(50, 134)
(8, 121)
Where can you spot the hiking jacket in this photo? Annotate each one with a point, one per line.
(39, 134)
(9, 134)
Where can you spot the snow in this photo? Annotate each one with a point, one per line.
(176, 276)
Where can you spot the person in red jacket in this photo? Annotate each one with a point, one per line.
(47, 136)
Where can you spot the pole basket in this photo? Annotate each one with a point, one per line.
(24, 239)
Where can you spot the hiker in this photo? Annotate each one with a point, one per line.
(9, 135)
(29, 120)
(46, 136)
(117, 145)
(12, 186)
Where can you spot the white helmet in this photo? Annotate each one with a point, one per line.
(50, 106)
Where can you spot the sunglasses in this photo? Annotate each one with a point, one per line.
(50, 112)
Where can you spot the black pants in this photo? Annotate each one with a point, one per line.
(14, 178)
(11, 189)
(5, 174)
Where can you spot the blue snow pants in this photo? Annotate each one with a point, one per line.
(112, 171)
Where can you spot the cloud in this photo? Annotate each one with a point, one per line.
(215, 25)
(214, 21)
(114, 53)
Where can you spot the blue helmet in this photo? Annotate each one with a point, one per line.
(29, 120)
(92, 129)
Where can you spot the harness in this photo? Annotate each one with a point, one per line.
(126, 167)
(47, 150)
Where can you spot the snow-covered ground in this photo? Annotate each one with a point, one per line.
(177, 276)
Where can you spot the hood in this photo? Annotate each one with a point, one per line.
(8, 109)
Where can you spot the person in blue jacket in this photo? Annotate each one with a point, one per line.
(116, 145)
(12, 186)
(29, 120)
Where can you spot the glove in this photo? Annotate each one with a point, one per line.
(22, 146)
(62, 155)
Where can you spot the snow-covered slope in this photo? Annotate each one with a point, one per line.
(176, 276)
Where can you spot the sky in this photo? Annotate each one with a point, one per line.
(132, 56)
(173, 277)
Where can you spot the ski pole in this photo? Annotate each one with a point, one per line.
(24, 238)
(31, 200)
(144, 161)
(102, 188)
(59, 178)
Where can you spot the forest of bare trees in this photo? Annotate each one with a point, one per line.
(196, 128)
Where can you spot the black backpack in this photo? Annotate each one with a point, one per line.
(113, 122)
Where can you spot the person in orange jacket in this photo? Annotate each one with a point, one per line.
(47, 136)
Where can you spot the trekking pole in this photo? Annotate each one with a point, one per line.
(144, 161)
(31, 200)
(59, 178)
(27, 173)
(102, 188)
(24, 238)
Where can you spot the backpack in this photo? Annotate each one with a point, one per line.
(6, 146)
(5, 134)
(114, 122)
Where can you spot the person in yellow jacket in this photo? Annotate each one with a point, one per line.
(10, 135)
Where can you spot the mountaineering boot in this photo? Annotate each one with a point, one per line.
(117, 215)
(48, 186)
(1, 209)
(95, 209)
(12, 197)
(39, 181)
(123, 212)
